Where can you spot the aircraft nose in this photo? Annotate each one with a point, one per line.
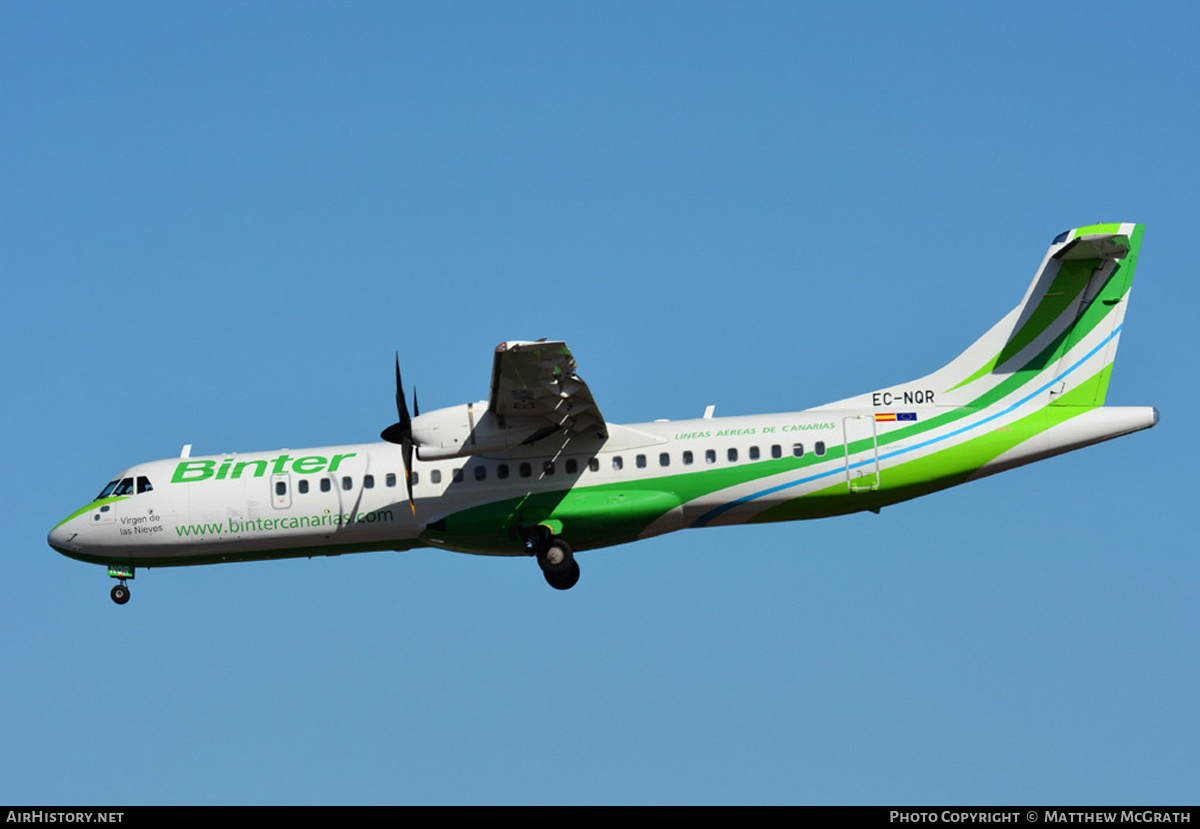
(62, 535)
(68, 535)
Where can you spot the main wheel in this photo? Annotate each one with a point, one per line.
(564, 579)
(120, 594)
(557, 557)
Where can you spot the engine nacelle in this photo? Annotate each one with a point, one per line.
(469, 429)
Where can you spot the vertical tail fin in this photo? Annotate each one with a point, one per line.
(1066, 329)
(1057, 346)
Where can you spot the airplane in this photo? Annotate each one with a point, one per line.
(536, 470)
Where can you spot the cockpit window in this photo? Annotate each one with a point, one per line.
(126, 486)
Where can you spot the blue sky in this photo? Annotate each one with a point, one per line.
(221, 220)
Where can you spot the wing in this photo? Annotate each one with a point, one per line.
(536, 383)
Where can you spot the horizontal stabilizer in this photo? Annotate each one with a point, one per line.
(1095, 246)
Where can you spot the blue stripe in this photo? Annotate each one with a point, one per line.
(716, 511)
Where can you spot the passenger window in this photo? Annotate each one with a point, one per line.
(457, 475)
(526, 470)
(303, 485)
(687, 458)
(435, 476)
(777, 451)
(641, 461)
(732, 455)
(502, 471)
(820, 447)
(347, 483)
(325, 486)
(280, 488)
(144, 484)
(480, 472)
(390, 480)
(798, 450)
(572, 466)
(368, 481)
(710, 455)
(753, 453)
(547, 468)
(617, 463)
(594, 464)
(664, 459)
(415, 477)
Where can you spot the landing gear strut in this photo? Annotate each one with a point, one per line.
(554, 556)
(120, 593)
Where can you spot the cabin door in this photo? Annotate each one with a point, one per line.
(862, 452)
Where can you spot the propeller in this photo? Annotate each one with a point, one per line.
(401, 432)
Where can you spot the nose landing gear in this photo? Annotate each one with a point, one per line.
(120, 593)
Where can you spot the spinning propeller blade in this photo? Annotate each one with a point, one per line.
(401, 432)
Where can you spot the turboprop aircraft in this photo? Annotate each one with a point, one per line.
(537, 470)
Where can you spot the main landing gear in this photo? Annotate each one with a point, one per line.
(554, 556)
(120, 593)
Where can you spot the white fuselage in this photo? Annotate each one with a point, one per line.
(704, 472)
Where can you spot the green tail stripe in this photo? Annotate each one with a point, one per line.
(1095, 229)
(1062, 295)
(946, 468)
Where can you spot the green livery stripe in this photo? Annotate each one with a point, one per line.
(943, 469)
(1094, 391)
(1063, 294)
(595, 516)
(887, 456)
(1092, 230)
(612, 513)
(605, 514)
(1110, 296)
(91, 506)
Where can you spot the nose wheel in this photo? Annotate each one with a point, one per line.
(120, 593)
